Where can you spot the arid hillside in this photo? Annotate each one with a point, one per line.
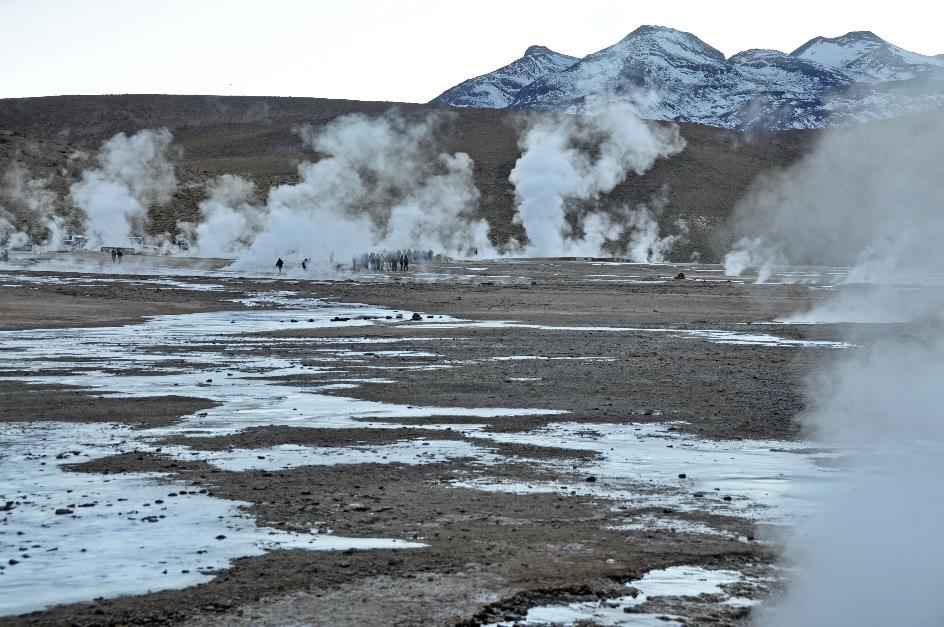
(255, 137)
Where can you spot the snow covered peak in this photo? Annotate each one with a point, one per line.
(497, 89)
(671, 41)
(533, 51)
(866, 57)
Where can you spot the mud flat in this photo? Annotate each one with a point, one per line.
(546, 441)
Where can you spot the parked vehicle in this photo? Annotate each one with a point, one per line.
(74, 242)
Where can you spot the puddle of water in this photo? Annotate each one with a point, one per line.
(677, 581)
(291, 455)
(649, 522)
(90, 281)
(541, 358)
(649, 466)
(716, 336)
(122, 533)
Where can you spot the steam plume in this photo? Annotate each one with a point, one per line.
(570, 160)
(133, 173)
(870, 197)
(379, 184)
(864, 197)
(38, 205)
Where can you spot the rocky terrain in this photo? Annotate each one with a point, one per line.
(544, 433)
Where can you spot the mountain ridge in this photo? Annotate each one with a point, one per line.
(838, 81)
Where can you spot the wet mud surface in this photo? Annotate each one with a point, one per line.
(510, 519)
(54, 403)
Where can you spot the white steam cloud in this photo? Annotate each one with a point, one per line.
(870, 197)
(133, 174)
(569, 161)
(864, 197)
(229, 218)
(380, 184)
(38, 209)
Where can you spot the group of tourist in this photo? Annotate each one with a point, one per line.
(397, 261)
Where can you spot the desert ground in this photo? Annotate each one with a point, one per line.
(478, 442)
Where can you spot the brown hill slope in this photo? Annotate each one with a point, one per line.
(254, 137)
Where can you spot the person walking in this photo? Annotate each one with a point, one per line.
(279, 264)
(120, 255)
(114, 256)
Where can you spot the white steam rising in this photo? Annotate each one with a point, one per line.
(133, 174)
(380, 184)
(36, 202)
(570, 160)
(864, 197)
(871, 197)
(229, 218)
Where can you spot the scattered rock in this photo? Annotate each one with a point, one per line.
(63, 511)
(680, 276)
(591, 479)
(416, 316)
(682, 475)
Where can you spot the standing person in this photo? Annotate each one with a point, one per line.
(305, 263)
(279, 264)
(406, 262)
(120, 255)
(114, 256)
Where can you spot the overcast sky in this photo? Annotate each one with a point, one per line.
(397, 50)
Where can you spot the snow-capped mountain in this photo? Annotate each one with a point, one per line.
(867, 58)
(673, 75)
(496, 90)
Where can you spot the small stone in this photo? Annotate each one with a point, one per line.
(591, 479)
(682, 475)
(416, 316)
(62, 511)
(680, 276)
(221, 537)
